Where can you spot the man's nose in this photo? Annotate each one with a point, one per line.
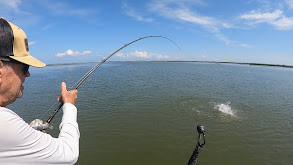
(28, 74)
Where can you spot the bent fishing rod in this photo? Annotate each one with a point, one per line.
(38, 124)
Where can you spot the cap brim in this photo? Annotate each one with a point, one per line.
(29, 60)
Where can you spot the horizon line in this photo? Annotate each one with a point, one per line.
(219, 62)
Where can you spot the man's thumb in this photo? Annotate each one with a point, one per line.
(63, 87)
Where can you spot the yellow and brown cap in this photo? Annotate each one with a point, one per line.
(14, 44)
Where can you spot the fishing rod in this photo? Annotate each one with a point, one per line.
(195, 154)
(38, 124)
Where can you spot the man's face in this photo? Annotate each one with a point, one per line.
(12, 77)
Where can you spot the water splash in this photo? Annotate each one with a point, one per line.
(225, 108)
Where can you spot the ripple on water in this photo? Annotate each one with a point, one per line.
(210, 108)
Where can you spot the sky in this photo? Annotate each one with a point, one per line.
(73, 31)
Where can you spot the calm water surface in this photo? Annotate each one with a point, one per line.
(147, 112)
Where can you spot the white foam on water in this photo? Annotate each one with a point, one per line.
(225, 108)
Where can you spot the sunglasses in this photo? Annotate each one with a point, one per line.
(24, 68)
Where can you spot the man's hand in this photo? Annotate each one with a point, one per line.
(67, 96)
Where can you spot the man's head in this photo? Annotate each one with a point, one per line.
(14, 44)
(15, 60)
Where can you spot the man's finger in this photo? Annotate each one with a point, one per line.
(59, 99)
(63, 87)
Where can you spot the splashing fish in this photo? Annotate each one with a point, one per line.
(225, 108)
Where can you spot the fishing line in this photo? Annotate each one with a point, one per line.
(38, 123)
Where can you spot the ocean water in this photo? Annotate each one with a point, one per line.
(147, 112)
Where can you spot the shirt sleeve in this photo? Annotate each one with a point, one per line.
(21, 144)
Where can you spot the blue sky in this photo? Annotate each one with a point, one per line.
(87, 31)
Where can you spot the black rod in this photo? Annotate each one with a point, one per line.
(98, 65)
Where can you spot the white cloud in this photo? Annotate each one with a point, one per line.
(181, 10)
(283, 23)
(82, 13)
(48, 26)
(276, 19)
(11, 3)
(135, 14)
(262, 17)
(143, 54)
(60, 8)
(177, 10)
(12, 6)
(245, 46)
(186, 15)
(69, 52)
(31, 43)
(289, 3)
(18, 9)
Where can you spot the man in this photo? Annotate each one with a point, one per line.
(20, 143)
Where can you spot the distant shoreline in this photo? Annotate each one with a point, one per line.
(215, 62)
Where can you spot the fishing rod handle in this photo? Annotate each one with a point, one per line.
(194, 156)
(54, 113)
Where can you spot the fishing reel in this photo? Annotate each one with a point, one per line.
(200, 143)
(201, 135)
(38, 124)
